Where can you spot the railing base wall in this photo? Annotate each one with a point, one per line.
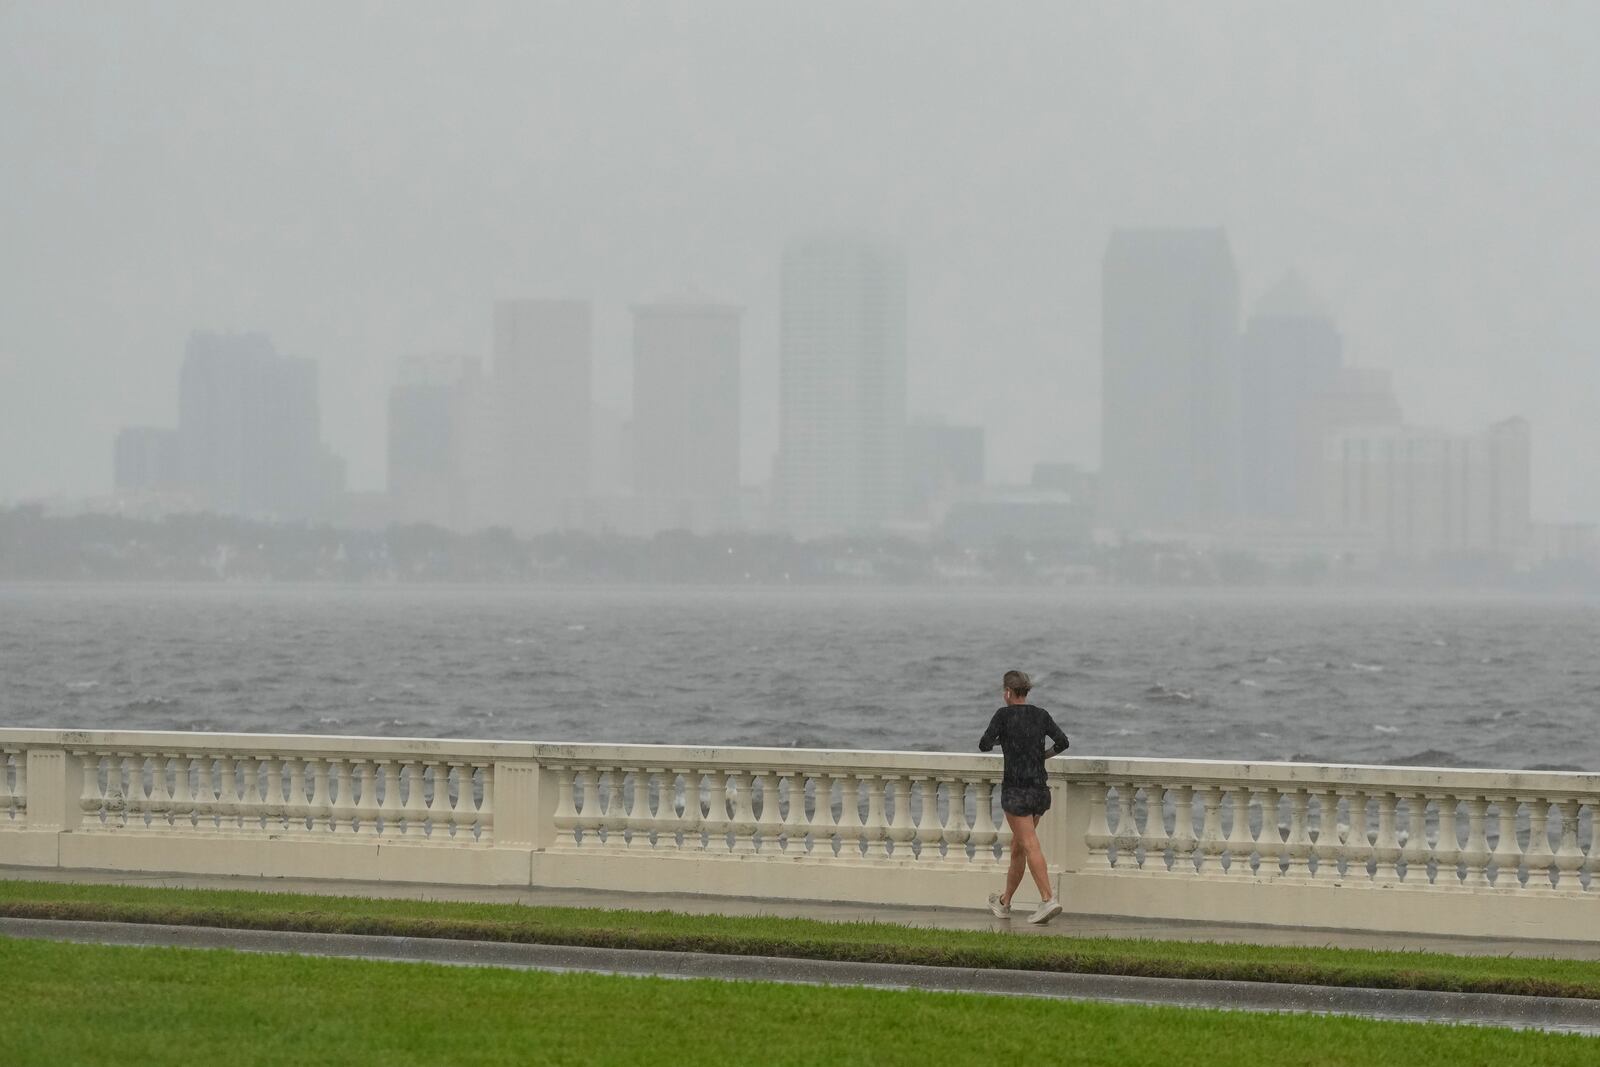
(30, 848)
(776, 877)
(1401, 909)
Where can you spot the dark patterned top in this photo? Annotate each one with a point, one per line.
(1020, 730)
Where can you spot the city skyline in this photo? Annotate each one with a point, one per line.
(1428, 175)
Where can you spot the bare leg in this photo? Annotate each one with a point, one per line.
(1025, 849)
(1019, 863)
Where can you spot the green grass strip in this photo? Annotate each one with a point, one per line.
(871, 942)
(89, 1005)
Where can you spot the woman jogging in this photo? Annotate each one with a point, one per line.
(1020, 729)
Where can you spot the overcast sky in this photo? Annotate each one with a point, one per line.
(362, 180)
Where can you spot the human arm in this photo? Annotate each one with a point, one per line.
(1056, 734)
(991, 736)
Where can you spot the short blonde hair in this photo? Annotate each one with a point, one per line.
(1017, 682)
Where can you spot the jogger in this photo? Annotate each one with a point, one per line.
(1020, 729)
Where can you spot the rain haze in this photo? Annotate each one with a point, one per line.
(1192, 356)
(362, 181)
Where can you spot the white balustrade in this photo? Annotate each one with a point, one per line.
(229, 793)
(1182, 838)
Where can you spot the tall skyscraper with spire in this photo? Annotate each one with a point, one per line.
(842, 406)
(1169, 374)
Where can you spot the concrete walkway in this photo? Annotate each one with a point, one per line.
(977, 918)
(1478, 1009)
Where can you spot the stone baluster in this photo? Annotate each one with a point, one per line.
(230, 812)
(486, 805)
(693, 818)
(955, 832)
(296, 806)
(19, 783)
(1415, 851)
(1507, 854)
(1211, 845)
(273, 818)
(792, 830)
(387, 817)
(250, 817)
(902, 830)
(1098, 837)
(1297, 846)
(659, 824)
(717, 820)
(206, 805)
(1476, 853)
(1184, 841)
(565, 817)
(1447, 851)
(984, 832)
(1274, 831)
(1240, 842)
(358, 796)
(1356, 848)
(929, 829)
(1569, 856)
(744, 813)
(822, 822)
(1594, 847)
(770, 823)
(874, 832)
(180, 810)
(1326, 847)
(1156, 838)
(850, 826)
(590, 817)
(322, 795)
(464, 814)
(90, 800)
(1097, 831)
(120, 791)
(415, 810)
(1540, 858)
(439, 802)
(640, 821)
(610, 812)
(1387, 847)
(341, 795)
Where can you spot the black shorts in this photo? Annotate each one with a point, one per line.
(1024, 799)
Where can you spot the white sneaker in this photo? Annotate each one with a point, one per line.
(1046, 911)
(1001, 911)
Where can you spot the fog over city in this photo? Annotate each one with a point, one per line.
(397, 194)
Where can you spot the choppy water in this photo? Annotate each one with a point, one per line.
(1445, 681)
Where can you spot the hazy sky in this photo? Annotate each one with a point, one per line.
(361, 180)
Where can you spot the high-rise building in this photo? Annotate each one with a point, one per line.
(249, 428)
(147, 459)
(1289, 356)
(423, 460)
(1425, 492)
(842, 392)
(477, 422)
(685, 433)
(1169, 407)
(543, 360)
(941, 460)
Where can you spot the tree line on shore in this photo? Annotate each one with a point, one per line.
(35, 546)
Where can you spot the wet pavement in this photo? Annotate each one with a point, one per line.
(1478, 1009)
